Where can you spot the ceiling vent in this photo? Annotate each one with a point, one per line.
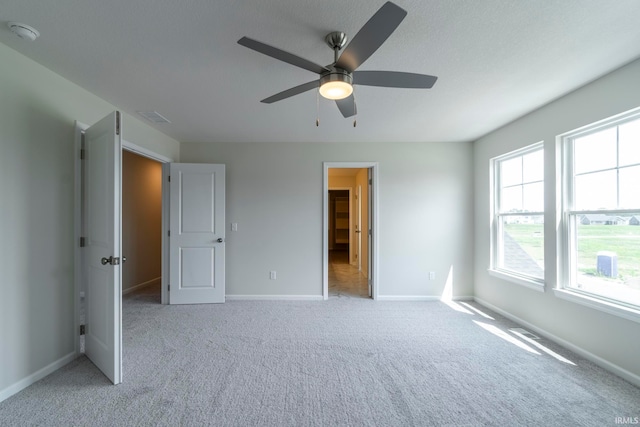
(153, 116)
(525, 333)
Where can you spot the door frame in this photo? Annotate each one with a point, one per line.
(358, 226)
(79, 129)
(373, 223)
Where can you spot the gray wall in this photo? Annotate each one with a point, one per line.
(37, 113)
(274, 193)
(611, 339)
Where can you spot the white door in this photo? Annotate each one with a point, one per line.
(101, 254)
(197, 232)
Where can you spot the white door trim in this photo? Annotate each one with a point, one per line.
(79, 128)
(358, 234)
(373, 223)
(144, 152)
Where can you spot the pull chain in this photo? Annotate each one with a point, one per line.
(355, 112)
(318, 108)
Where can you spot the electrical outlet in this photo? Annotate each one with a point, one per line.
(432, 275)
(272, 275)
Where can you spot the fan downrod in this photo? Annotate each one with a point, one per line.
(336, 41)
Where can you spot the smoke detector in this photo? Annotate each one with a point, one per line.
(24, 31)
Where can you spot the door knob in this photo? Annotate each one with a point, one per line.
(111, 260)
(220, 240)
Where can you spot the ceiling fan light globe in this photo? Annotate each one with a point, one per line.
(336, 90)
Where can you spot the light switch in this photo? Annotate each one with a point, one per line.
(234, 226)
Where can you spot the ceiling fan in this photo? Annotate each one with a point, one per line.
(337, 79)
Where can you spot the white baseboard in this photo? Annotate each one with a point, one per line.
(141, 285)
(408, 298)
(273, 297)
(463, 298)
(603, 363)
(419, 298)
(36, 376)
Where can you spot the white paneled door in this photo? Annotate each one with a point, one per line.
(101, 255)
(197, 233)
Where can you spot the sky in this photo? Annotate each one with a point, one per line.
(606, 165)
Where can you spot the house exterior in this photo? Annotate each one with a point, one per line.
(601, 219)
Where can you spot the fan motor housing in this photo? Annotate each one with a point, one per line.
(337, 75)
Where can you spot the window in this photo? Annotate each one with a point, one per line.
(518, 216)
(600, 245)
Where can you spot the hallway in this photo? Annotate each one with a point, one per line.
(345, 281)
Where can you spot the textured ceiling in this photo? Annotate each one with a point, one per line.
(496, 60)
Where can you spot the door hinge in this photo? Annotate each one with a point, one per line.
(370, 181)
(369, 232)
(169, 233)
(82, 153)
(83, 242)
(169, 287)
(169, 178)
(83, 329)
(117, 122)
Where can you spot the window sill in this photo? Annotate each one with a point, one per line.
(531, 283)
(599, 304)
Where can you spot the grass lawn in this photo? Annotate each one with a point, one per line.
(624, 240)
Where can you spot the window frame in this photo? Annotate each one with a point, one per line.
(567, 272)
(497, 247)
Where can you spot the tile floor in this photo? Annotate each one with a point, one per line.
(345, 281)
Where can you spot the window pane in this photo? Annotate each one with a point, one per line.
(630, 187)
(533, 197)
(511, 199)
(596, 151)
(533, 166)
(629, 147)
(511, 172)
(608, 258)
(523, 245)
(596, 191)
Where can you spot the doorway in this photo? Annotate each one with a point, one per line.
(98, 231)
(141, 227)
(349, 224)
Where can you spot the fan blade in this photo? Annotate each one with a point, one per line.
(287, 57)
(371, 36)
(347, 106)
(394, 79)
(291, 92)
